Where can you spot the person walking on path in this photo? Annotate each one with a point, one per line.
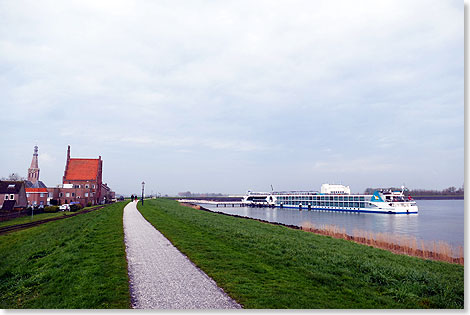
(160, 275)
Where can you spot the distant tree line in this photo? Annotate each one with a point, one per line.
(190, 194)
(451, 191)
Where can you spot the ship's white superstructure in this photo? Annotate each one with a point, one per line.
(335, 189)
(337, 198)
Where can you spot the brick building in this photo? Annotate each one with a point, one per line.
(82, 182)
(108, 194)
(36, 190)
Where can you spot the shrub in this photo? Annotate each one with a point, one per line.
(51, 209)
(88, 204)
(75, 207)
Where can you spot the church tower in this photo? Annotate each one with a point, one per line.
(33, 171)
(36, 191)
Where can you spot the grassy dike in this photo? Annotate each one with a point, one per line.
(40, 216)
(78, 262)
(267, 266)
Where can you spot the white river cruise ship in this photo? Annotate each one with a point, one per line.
(336, 198)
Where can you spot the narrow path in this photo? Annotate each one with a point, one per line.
(160, 275)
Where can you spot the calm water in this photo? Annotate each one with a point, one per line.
(438, 220)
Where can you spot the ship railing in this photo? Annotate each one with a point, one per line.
(402, 203)
(296, 193)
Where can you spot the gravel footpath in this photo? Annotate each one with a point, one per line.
(161, 276)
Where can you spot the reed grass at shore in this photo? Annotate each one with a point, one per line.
(398, 244)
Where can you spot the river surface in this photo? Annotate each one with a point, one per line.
(438, 220)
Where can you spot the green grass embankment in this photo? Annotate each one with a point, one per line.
(75, 263)
(268, 266)
(40, 216)
(28, 218)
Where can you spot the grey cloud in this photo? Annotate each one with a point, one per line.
(257, 81)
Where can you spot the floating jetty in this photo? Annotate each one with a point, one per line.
(227, 204)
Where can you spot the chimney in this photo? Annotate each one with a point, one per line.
(66, 164)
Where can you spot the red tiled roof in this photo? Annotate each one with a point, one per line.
(30, 190)
(82, 169)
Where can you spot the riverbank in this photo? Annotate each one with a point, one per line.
(440, 251)
(268, 266)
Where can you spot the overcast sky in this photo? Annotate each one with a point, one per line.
(228, 96)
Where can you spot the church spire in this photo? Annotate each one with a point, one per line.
(33, 171)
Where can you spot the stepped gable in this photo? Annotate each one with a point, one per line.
(82, 169)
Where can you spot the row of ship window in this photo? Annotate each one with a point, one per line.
(321, 198)
(324, 204)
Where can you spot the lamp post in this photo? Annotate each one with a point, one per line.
(143, 193)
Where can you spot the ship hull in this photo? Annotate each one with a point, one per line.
(358, 210)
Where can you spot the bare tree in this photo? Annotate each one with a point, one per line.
(14, 177)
